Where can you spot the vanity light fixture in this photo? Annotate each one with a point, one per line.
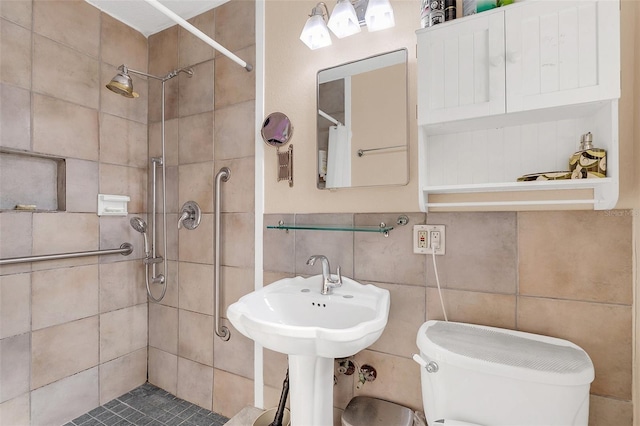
(315, 33)
(345, 20)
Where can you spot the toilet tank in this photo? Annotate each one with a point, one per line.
(492, 376)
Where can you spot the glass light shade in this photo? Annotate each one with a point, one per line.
(379, 15)
(344, 21)
(315, 33)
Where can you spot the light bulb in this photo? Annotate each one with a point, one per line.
(344, 21)
(379, 15)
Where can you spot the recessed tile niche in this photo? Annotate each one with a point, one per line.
(29, 179)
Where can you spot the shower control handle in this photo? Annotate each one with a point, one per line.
(190, 215)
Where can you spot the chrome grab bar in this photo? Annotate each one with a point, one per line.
(125, 250)
(221, 331)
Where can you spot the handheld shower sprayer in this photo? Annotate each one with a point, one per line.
(141, 226)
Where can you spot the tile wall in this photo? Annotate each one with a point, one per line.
(564, 274)
(210, 125)
(73, 333)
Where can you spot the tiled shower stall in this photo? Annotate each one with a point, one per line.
(78, 333)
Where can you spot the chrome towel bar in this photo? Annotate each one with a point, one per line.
(125, 250)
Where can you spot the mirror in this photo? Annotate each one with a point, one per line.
(363, 123)
(276, 129)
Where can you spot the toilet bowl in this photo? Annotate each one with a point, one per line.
(477, 375)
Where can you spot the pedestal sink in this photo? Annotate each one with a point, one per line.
(292, 317)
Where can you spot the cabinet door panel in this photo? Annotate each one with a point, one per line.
(561, 53)
(461, 70)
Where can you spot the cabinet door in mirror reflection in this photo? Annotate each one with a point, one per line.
(363, 123)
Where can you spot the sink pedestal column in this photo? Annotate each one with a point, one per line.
(311, 383)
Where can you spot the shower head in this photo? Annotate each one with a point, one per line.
(122, 84)
(141, 226)
(138, 224)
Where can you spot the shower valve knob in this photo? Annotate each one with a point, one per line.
(190, 215)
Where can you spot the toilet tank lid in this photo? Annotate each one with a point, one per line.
(505, 352)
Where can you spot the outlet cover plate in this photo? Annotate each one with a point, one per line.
(422, 237)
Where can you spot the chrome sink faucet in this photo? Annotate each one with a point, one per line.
(328, 283)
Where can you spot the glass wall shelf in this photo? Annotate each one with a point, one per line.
(382, 228)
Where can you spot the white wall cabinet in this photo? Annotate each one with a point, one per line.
(509, 92)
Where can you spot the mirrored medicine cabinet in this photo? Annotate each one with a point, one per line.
(363, 123)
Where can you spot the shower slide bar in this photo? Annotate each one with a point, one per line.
(221, 331)
(125, 249)
(196, 32)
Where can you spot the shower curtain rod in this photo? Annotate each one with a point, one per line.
(196, 32)
(328, 117)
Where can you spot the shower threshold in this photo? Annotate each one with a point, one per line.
(149, 405)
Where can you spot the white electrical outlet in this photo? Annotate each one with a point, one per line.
(427, 238)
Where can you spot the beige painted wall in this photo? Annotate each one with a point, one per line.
(290, 83)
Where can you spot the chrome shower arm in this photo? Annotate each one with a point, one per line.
(126, 69)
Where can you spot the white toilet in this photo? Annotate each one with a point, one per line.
(477, 375)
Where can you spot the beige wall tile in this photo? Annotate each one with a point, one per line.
(235, 355)
(196, 184)
(131, 109)
(14, 369)
(123, 141)
(233, 137)
(481, 252)
(172, 236)
(15, 411)
(16, 232)
(63, 295)
(121, 285)
(609, 411)
(195, 337)
(163, 370)
(82, 186)
(278, 246)
(272, 277)
(66, 399)
(123, 180)
(63, 350)
(56, 68)
(603, 331)
(122, 44)
(237, 239)
(231, 393)
(123, 374)
(233, 84)
(390, 259)
(191, 49)
(19, 12)
(337, 246)
(234, 283)
(495, 310)
(196, 287)
(171, 296)
(235, 26)
(196, 138)
(272, 397)
(163, 328)
(406, 315)
(170, 140)
(115, 230)
(72, 22)
(122, 332)
(64, 129)
(237, 194)
(15, 117)
(398, 379)
(173, 206)
(195, 383)
(16, 54)
(15, 304)
(163, 57)
(196, 91)
(586, 255)
(197, 245)
(64, 232)
(275, 367)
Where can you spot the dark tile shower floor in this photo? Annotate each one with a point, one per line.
(149, 405)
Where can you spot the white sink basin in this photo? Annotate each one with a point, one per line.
(292, 317)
